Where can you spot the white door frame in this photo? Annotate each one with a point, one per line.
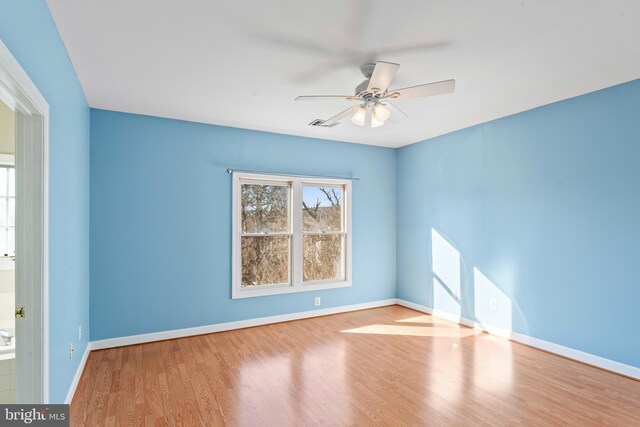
(32, 222)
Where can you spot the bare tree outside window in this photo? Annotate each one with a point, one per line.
(322, 225)
(265, 253)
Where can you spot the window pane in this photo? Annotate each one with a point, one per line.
(12, 181)
(321, 209)
(265, 260)
(12, 212)
(4, 251)
(265, 208)
(11, 250)
(3, 212)
(3, 181)
(323, 257)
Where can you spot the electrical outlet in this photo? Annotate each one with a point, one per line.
(317, 301)
(80, 333)
(71, 350)
(493, 304)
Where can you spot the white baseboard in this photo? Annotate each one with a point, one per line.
(450, 317)
(228, 326)
(570, 353)
(581, 356)
(414, 306)
(76, 378)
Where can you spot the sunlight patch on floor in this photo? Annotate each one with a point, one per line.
(416, 331)
(417, 319)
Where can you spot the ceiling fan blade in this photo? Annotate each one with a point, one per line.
(328, 98)
(382, 75)
(429, 89)
(336, 119)
(396, 114)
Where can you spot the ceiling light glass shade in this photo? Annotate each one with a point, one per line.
(375, 120)
(359, 116)
(382, 112)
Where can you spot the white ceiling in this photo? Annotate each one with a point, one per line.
(242, 63)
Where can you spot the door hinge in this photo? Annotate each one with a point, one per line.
(20, 312)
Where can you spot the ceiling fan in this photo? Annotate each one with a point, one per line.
(373, 96)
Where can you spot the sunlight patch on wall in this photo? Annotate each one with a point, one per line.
(492, 306)
(445, 263)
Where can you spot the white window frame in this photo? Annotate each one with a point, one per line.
(296, 260)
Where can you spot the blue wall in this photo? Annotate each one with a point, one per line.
(545, 205)
(28, 30)
(538, 211)
(161, 221)
(541, 209)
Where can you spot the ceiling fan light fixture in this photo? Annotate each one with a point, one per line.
(370, 109)
(382, 112)
(359, 116)
(375, 120)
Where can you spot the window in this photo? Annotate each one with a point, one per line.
(7, 211)
(290, 234)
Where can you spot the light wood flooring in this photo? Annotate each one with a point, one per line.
(387, 366)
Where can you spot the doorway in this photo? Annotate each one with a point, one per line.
(7, 255)
(23, 236)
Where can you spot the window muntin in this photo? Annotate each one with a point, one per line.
(290, 234)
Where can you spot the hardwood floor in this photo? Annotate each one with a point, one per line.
(386, 366)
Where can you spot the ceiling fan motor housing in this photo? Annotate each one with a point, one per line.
(362, 88)
(367, 69)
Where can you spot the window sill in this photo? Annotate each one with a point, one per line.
(279, 290)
